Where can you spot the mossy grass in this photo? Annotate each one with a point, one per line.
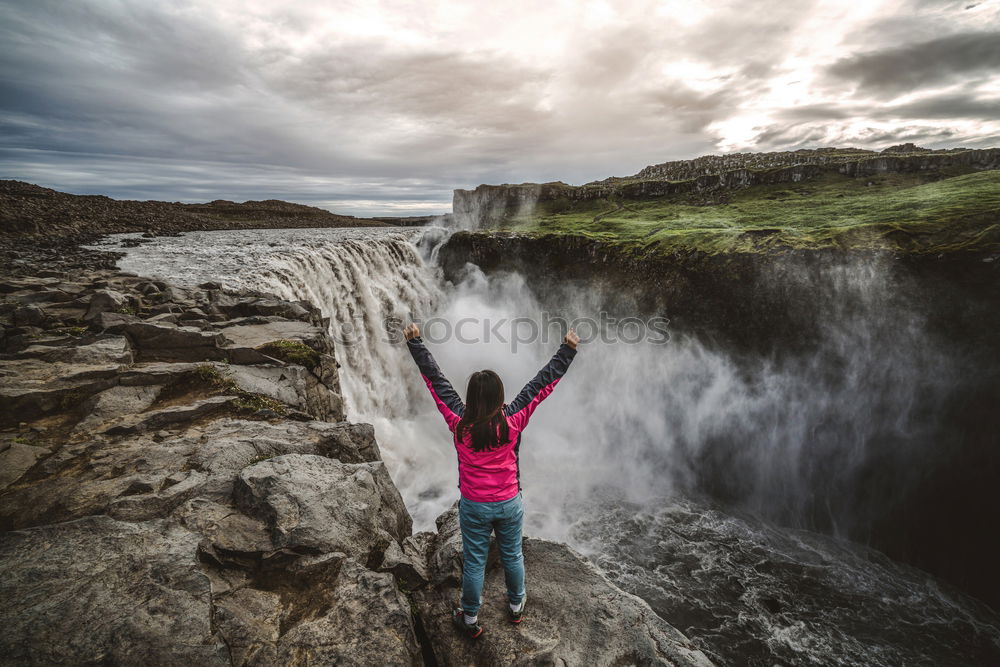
(899, 212)
(209, 378)
(292, 352)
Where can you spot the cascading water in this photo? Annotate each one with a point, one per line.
(619, 459)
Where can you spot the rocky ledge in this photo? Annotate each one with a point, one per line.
(178, 486)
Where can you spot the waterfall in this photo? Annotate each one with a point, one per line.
(363, 286)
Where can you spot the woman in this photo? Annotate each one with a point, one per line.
(487, 437)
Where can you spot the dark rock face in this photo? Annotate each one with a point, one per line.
(488, 205)
(369, 622)
(756, 302)
(162, 341)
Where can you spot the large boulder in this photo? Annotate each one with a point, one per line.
(315, 504)
(104, 301)
(100, 591)
(258, 334)
(575, 616)
(234, 305)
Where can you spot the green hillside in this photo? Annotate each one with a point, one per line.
(891, 211)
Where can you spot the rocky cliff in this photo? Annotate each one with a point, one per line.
(179, 487)
(490, 205)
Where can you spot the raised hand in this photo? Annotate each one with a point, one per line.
(412, 331)
(571, 339)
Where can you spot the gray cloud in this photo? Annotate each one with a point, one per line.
(791, 137)
(943, 106)
(383, 111)
(889, 72)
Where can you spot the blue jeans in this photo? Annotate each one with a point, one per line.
(477, 521)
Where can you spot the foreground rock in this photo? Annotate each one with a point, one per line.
(577, 616)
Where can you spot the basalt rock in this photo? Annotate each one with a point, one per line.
(104, 301)
(30, 388)
(321, 610)
(293, 385)
(92, 475)
(112, 322)
(98, 350)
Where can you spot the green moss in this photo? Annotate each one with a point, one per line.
(207, 375)
(901, 212)
(249, 403)
(292, 352)
(257, 458)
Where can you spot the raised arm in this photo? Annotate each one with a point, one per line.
(448, 402)
(519, 410)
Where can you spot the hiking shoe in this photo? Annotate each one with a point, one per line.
(516, 616)
(471, 631)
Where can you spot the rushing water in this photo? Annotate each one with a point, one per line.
(614, 461)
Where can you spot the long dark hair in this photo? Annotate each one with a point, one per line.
(484, 417)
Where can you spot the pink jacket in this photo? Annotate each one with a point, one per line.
(493, 475)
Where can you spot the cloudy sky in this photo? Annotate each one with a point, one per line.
(385, 107)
